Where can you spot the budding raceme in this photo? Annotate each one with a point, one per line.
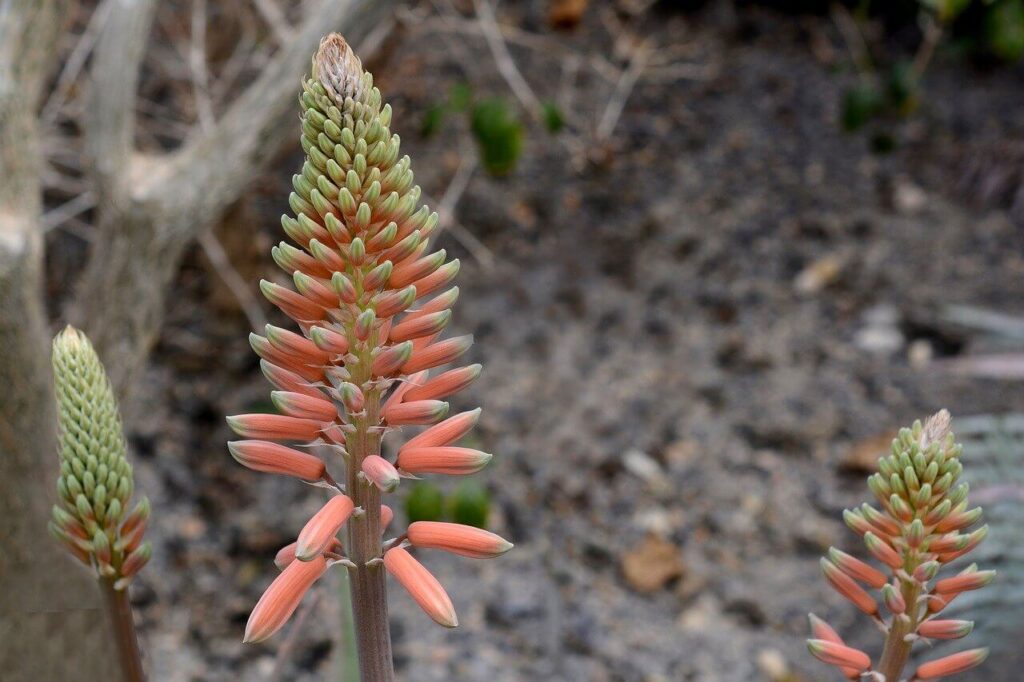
(921, 527)
(371, 298)
(91, 518)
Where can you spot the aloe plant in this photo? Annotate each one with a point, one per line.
(371, 302)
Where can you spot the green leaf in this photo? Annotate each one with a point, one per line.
(460, 97)
(860, 104)
(946, 10)
(1004, 25)
(553, 118)
(470, 505)
(499, 135)
(424, 503)
(902, 88)
(432, 120)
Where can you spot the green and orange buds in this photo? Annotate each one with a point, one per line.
(919, 527)
(372, 298)
(91, 517)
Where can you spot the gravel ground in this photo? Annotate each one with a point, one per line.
(681, 345)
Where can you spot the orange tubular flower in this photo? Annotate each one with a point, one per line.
(320, 530)
(278, 603)
(467, 541)
(421, 586)
(916, 533)
(446, 460)
(371, 298)
(839, 655)
(272, 458)
(950, 665)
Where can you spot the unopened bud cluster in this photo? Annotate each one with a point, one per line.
(371, 301)
(921, 524)
(91, 517)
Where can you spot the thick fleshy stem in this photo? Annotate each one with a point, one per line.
(120, 610)
(368, 578)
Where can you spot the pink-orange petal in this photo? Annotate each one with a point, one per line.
(278, 603)
(421, 586)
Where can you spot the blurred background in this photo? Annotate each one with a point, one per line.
(714, 254)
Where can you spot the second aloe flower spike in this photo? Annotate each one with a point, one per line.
(919, 528)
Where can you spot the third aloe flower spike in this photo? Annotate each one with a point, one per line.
(371, 301)
(920, 527)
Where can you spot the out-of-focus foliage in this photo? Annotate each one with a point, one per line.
(946, 10)
(1004, 26)
(861, 103)
(553, 117)
(470, 504)
(954, 27)
(499, 135)
(425, 502)
(495, 124)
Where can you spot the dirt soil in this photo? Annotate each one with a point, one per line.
(681, 343)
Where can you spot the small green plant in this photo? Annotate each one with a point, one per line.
(425, 502)
(469, 504)
(494, 123)
(499, 135)
(894, 90)
(1004, 27)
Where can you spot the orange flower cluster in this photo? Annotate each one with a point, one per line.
(921, 526)
(371, 301)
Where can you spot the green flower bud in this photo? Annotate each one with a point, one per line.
(96, 478)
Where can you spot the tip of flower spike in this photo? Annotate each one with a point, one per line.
(338, 68)
(70, 339)
(936, 428)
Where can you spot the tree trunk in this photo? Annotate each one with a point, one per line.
(51, 623)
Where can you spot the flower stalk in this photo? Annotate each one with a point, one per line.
(371, 302)
(914, 534)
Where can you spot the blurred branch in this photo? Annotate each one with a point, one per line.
(197, 65)
(142, 233)
(624, 87)
(854, 39)
(275, 20)
(503, 58)
(214, 252)
(110, 118)
(76, 61)
(66, 211)
(446, 211)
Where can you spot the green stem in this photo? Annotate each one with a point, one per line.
(121, 618)
(348, 665)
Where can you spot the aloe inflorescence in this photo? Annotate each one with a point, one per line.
(371, 301)
(921, 526)
(91, 517)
